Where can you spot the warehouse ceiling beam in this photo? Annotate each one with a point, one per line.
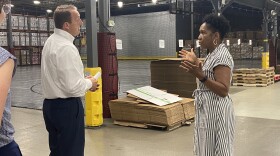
(227, 5)
(273, 3)
(220, 5)
(216, 6)
(258, 4)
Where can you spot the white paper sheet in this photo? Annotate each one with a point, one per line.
(161, 44)
(181, 43)
(154, 95)
(119, 44)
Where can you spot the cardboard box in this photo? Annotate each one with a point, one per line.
(3, 25)
(260, 35)
(250, 35)
(167, 75)
(14, 22)
(246, 51)
(16, 38)
(51, 24)
(189, 108)
(42, 24)
(128, 109)
(231, 35)
(240, 34)
(189, 44)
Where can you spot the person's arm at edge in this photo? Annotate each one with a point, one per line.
(6, 71)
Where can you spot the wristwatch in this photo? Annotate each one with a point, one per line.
(204, 79)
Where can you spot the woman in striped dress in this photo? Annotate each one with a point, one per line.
(214, 120)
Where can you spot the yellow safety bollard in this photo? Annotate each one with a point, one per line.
(93, 106)
(265, 60)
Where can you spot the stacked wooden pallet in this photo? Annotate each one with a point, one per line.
(253, 77)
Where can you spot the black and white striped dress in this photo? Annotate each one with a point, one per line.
(214, 120)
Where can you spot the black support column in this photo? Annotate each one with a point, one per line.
(10, 34)
(91, 34)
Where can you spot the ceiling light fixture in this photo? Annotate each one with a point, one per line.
(154, 1)
(36, 2)
(120, 4)
(49, 11)
(273, 12)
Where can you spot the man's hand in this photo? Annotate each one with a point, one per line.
(94, 83)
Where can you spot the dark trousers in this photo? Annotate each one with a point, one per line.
(11, 149)
(64, 119)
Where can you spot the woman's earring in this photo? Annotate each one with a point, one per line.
(215, 42)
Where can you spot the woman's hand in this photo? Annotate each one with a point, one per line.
(196, 70)
(191, 63)
(189, 56)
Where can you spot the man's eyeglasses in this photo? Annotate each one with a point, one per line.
(6, 8)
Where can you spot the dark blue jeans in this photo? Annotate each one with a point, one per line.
(11, 149)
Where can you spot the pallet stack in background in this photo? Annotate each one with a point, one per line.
(245, 44)
(253, 77)
(241, 45)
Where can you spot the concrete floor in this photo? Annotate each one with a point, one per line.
(257, 121)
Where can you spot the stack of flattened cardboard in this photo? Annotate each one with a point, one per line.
(131, 109)
(167, 75)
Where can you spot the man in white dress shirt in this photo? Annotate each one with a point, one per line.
(63, 83)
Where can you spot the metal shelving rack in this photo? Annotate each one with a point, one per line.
(28, 36)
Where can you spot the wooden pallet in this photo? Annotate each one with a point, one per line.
(152, 126)
(253, 70)
(269, 74)
(252, 85)
(256, 81)
(252, 78)
(239, 75)
(262, 76)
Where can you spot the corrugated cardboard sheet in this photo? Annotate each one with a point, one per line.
(129, 109)
(166, 74)
(154, 95)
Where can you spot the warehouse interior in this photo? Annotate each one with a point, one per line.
(137, 45)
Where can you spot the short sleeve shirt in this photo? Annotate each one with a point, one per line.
(6, 128)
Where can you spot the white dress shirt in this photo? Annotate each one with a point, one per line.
(62, 70)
